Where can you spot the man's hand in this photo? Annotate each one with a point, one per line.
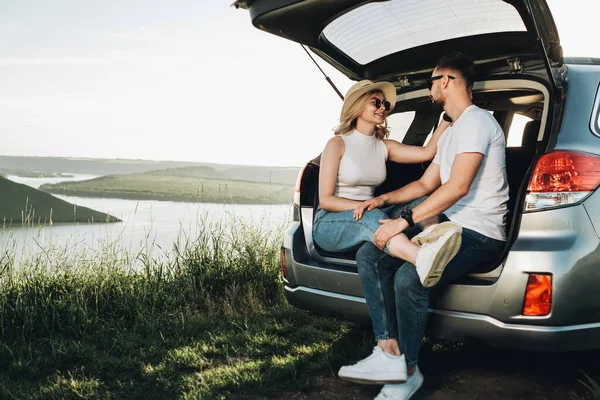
(388, 229)
(370, 204)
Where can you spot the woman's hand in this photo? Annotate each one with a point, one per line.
(369, 205)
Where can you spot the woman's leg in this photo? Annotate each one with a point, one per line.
(339, 231)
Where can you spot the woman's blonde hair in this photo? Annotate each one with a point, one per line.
(348, 119)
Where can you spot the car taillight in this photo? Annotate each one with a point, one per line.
(297, 188)
(561, 178)
(283, 264)
(538, 295)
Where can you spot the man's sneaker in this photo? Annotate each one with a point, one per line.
(433, 257)
(434, 232)
(378, 368)
(403, 391)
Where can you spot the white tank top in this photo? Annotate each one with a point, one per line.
(362, 167)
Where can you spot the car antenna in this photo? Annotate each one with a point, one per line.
(326, 77)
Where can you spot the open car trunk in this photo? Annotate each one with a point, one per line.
(519, 77)
(521, 107)
(400, 40)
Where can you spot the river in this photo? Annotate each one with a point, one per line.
(150, 226)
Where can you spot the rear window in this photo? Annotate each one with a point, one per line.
(378, 29)
(595, 121)
(399, 123)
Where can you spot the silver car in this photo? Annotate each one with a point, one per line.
(543, 293)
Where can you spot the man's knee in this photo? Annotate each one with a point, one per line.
(407, 279)
(368, 253)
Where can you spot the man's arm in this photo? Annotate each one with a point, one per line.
(463, 172)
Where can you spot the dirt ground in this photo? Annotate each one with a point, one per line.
(476, 371)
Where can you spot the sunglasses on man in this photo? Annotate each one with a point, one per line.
(377, 103)
(435, 78)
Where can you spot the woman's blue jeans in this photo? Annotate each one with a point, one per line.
(397, 302)
(338, 231)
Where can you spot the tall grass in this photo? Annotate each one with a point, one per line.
(221, 270)
(206, 320)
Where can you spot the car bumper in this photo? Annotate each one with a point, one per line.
(458, 326)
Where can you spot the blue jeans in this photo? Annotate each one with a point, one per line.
(338, 231)
(397, 302)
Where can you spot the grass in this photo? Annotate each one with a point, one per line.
(207, 321)
(237, 185)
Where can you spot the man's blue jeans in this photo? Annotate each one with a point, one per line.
(397, 302)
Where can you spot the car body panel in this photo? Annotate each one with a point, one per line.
(575, 133)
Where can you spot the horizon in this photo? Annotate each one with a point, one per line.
(154, 161)
(177, 82)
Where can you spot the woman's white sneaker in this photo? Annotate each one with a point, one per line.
(433, 257)
(403, 391)
(378, 368)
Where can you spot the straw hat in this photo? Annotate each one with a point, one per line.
(364, 86)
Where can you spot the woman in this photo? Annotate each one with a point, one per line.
(353, 164)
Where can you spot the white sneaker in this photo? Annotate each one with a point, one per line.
(403, 391)
(378, 368)
(434, 232)
(433, 257)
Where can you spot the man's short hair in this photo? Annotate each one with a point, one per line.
(460, 63)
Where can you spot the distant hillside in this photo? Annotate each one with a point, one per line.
(273, 175)
(248, 185)
(96, 166)
(21, 204)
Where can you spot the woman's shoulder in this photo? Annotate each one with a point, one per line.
(335, 144)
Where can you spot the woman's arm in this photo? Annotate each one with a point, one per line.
(328, 172)
(406, 154)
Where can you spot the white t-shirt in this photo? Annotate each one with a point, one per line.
(484, 208)
(362, 167)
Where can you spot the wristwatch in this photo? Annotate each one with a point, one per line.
(447, 117)
(407, 215)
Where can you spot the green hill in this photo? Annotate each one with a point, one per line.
(249, 185)
(21, 204)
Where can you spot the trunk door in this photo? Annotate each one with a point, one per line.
(381, 40)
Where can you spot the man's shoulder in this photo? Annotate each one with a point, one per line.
(480, 119)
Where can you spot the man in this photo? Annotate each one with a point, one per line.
(467, 185)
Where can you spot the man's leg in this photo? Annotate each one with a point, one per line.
(412, 302)
(385, 364)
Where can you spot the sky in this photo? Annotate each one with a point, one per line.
(185, 80)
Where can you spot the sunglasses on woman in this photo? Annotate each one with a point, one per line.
(377, 103)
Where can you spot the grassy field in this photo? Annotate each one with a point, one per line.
(211, 322)
(23, 205)
(252, 185)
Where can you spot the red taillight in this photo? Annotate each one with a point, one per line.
(283, 264)
(562, 178)
(297, 188)
(538, 295)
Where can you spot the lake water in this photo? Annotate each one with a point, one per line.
(148, 225)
